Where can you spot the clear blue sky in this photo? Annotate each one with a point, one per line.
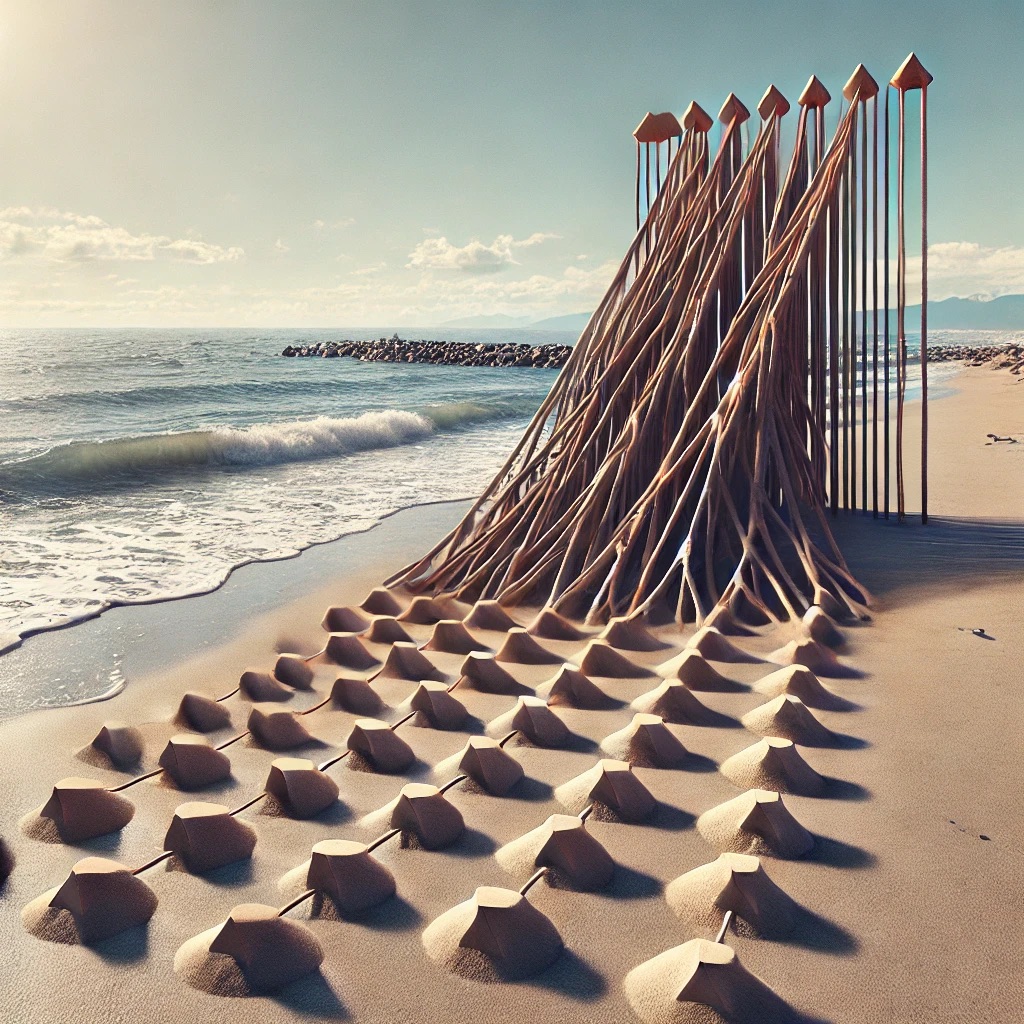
(290, 163)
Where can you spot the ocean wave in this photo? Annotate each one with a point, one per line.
(265, 444)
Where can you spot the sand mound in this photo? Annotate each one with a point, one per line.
(425, 812)
(673, 702)
(116, 745)
(293, 671)
(347, 650)
(424, 611)
(300, 787)
(381, 601)
(355, 695)
(715, 646)
(79, 809)
(564, 846)
(380, 746)
(253, 951)
(262, 687)
(801, 682)
(486, 675)
(201, 713)
(722, 619)
(436, 708)
(821, 628)
(646, 742)
(191, 763)
(612, 785)
(385, 629)
(274, 729)
(206, 836)
(755, 822)
(787, 716)
(349, 875)
(498, 935)
(601, 659)
(406, 661)
(452, 637)
(631, 635)
(549, 625)
(702, 982)
(493, 769)
(344, 619)
(6, 862)
(490, 615)
(570, 688)
(98, 899)
(809, 653)
(738, 883)
(775, 764)
(692, 669)
(535, 720)
(521, 648)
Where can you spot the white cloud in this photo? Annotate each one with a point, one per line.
(282, 246)
(51, 235)
(967, 268)
(344, 222)
(473, 258)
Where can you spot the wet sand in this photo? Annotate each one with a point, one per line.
(909, 907)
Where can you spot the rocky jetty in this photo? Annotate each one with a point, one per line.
(446, 353)
(1009, 356)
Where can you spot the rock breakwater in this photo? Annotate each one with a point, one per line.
(1008, 356)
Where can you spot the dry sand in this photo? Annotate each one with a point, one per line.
(909, 905)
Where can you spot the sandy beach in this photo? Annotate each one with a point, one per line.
(906, 903)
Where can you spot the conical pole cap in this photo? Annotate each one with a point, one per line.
(861, 86)
(697, 119)
(772, 102)
(911, 75)
(733, 110)
(815, 94)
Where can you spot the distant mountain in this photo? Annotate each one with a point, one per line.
(569, 322)
(1005, 313)
(495, 320)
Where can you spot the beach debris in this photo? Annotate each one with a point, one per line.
(497, 932)
(119, 744)
(293, 670)
(380, 746)
(788, 717)
(534, 720)
(482, 670)
(681, 984)
(436, 708)
(736, 882)
(261, 687)
(549, 625)
(631, 635)
(570, 687)
(490, 615)
(612, 785)
(452, 637)
(562, 844)
(521, 648)
(99, 899)
(206, 836)
(80, 809)
(344, 619)
(425, 813)
(599, 658)
(692, 669)
(349, 875)
(773, 763)
(673, 702)
(381, 601)
(275, 729)
(406, 661)
(202, 713)
(385, 629)
(267, 952)
(192, 763)
(756, 822)
(355, 694)
(347, 650)
(798, 681)
(646, 742)
(300, 787)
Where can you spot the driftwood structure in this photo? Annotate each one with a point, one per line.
(728, 394)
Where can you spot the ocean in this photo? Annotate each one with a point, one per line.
(139, 465)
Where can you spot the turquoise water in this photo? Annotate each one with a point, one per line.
(138, 465)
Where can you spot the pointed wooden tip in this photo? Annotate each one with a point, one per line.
(733, 110)
(645, 129)
(815, 94)
(861, 85)
(657, 128)
(911, 75)
(772, 102)
(697, 119)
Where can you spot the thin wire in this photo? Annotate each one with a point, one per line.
(726, 921)
(533, 880)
